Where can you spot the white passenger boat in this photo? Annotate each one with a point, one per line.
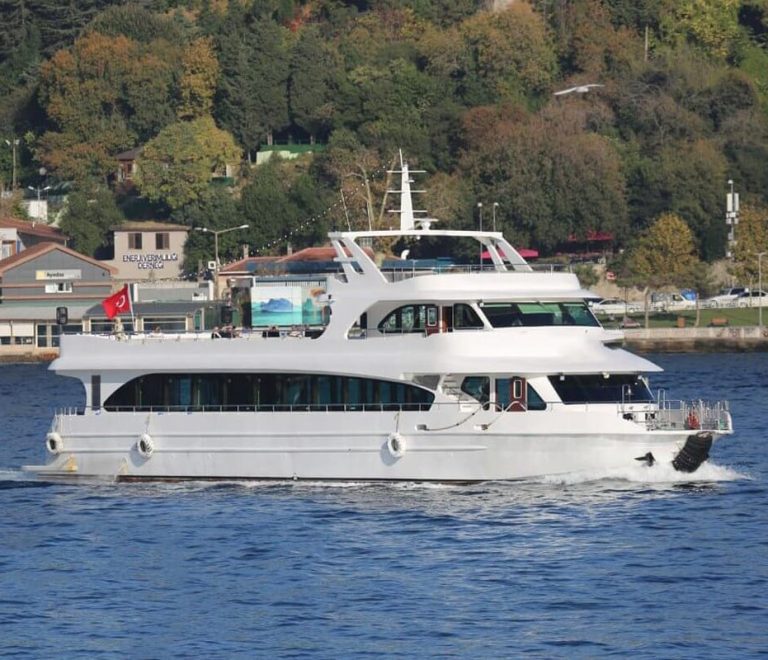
(462, 375)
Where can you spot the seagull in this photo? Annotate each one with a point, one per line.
(579, 89)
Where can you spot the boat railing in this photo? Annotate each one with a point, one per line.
(405, 273)
(674, 415)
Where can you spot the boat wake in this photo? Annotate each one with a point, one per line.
(657, 474)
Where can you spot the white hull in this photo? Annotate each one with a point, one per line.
(347, 446)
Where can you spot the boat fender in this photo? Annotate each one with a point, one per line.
(396, 445)
(145, 446)
(54, 443)
(694, 452)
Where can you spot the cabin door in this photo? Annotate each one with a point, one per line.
(512, 394)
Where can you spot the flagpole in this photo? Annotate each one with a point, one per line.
(130, 302)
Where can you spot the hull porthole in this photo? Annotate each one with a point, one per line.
(53, 443)
(145, 446)
(396, 445)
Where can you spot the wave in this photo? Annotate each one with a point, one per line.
(656, 474)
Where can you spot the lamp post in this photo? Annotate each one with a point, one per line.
(13, 144)
(39, 213)
(216, 233)
(495, 206)
(480, 211)
(760, 256)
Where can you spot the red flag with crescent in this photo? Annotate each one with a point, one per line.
(118, 303)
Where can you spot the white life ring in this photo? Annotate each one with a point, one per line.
(54, 443)
(396, 445)
(145, 446)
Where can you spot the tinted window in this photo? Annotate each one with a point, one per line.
(595, 388)
(507, 314)
(266, 392)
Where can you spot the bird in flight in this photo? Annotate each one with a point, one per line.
(579, 89)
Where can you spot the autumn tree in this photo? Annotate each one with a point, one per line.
(176, 166)
(200, 72)
(664, 255)
(751, 239)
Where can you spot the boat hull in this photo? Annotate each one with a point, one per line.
(342, 446)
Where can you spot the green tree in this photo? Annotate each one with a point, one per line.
(252, 99)
(176, 166)
(313, 69)
(88, 218)
(665, 254)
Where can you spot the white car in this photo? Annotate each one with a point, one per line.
(753, 298)
(726, 298)
(671, 302)
(613, 306)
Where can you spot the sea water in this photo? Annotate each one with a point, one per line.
(639, 562)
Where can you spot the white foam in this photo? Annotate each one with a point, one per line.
(656, 474)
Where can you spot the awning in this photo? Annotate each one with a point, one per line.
(525, 253)
(592, 237)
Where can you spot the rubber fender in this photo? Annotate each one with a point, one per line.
(694, 452)
(54, 443)
(145, 446)
(396, 445)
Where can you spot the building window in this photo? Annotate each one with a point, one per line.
(162, 241)
(134, 241)
(59, 287)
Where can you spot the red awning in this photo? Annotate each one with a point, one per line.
(592, 236)
(525, 253)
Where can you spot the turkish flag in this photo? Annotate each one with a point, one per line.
(118, 303)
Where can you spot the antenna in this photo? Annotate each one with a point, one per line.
(407, 213)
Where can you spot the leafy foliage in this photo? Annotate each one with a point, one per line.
(176, 166)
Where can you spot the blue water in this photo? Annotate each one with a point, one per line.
(640, 563)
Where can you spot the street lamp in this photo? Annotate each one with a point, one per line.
(216, 233)
(760, 256)
(39, 190)
(13, 144)
(495, 206)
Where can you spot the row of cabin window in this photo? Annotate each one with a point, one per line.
(162, 241)
(417, 318)
(588, 388)
(266, 392)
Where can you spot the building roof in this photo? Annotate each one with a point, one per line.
(34, 229)
(149, 225)
(247, 265)
(131, 154)
(44, 248)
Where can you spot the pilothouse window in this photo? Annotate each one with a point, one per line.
(597, 388)
(535, 314)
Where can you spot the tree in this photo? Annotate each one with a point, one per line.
(176, 166)
(751, 239)
(665, 254)
(310, 86)
(88, 218)
(200, 72)
(252, 100)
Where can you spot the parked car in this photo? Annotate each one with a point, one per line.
(613, 306)
(753, 298)
(671, 302)
(726, 297)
